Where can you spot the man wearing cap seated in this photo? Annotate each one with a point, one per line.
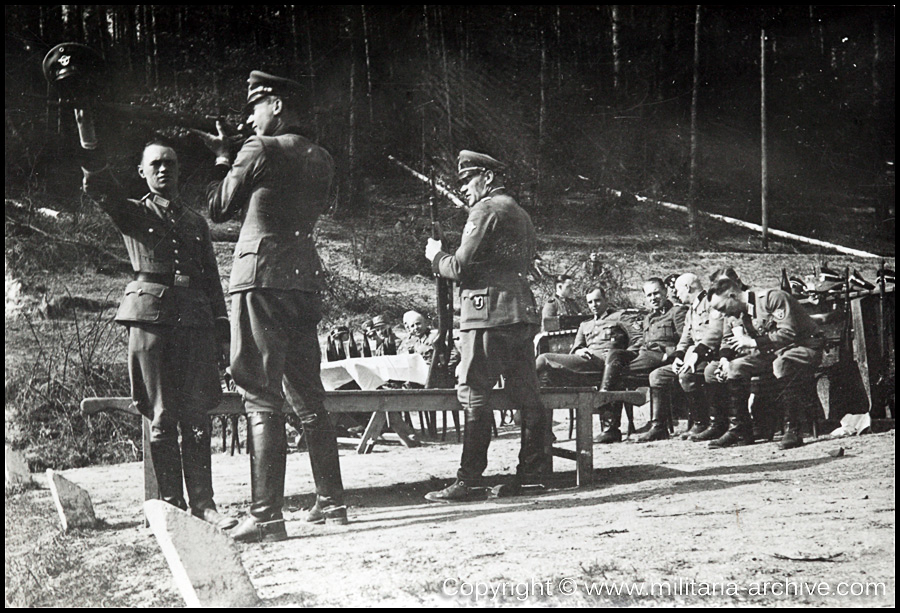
(380, 337)
(498, 321)
(278, 184)
(174, 310)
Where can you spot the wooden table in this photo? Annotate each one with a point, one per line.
(385, 402)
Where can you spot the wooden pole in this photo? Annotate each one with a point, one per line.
(692, 188)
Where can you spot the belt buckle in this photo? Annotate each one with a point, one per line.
(182, 281)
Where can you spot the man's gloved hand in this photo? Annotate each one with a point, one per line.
(432, 248)
(217, 143)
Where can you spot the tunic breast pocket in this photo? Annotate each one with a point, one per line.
(144, 302)
(246, 255)
(475, 305)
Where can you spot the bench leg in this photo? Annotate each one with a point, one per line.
(402, 430)
(584, 446)
(373, 430)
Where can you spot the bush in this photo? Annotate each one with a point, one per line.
(74, 359)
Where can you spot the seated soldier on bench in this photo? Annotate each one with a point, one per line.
(654, 347)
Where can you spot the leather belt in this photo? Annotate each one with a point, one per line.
(164, 279)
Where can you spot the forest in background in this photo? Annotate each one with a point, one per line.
(573, 98)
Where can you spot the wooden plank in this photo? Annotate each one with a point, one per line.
(367, 401)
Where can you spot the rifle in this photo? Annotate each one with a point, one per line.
(439, 375)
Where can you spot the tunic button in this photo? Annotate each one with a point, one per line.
(177, 272)
(297, 233)
(176, 251)
(151, 229)
(296, 271)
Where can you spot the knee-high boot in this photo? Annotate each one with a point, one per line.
(716, 398)
(698, 412)
(740, 430)
(660, 407)
(268, 458)
(326, 470)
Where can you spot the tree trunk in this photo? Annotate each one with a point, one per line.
(446, 80)
(614, 10)
(542, 118)
(762, 121)
(312, 77)
(362, 8)
(692, 187)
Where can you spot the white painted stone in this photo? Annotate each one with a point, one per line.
(16, 468)
(72, 502)
(205, 563)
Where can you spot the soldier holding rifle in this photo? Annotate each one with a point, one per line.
(498, 322)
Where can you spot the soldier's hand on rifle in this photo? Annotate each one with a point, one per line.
(678, 366)
(87, 132)
(432, 248)
(217, 143)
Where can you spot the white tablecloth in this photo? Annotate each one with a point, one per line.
(371, 373)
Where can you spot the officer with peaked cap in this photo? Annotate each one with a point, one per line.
(498, 321)
(278, 185)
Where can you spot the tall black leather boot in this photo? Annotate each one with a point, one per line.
(795, 401)
(698, 412)
(268, 459)
(740, 430)
(716, 399)
(611, 421)
(660, 409)
(195, 456)
(326, 470)
(167, 466)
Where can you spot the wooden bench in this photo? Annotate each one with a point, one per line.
(392, 403)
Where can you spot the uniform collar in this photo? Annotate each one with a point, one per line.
(751, 303)
(663, 308)
(163, 203)
(700, 297)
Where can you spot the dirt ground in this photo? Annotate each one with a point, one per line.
(684, 523)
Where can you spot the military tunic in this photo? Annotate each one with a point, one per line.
(175, 312)
(659, 334)
(789, 342)
(279, 186)
(498, 321)
(422, 344)
(599, 336)
(558, 305)
(702, 333)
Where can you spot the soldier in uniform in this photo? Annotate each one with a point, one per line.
(498, 321)
(653, 347)
(563, 303)
(588, 357)
(765, 331)
(278, 185)
(381, 337)
(174, 310)
(420, 338)
(700, 339)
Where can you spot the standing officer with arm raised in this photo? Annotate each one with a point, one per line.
(174, 310)
(278, 184)
(498, 321)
